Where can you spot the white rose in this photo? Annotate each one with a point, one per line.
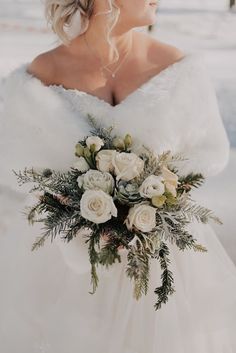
(96, 180)
(97, 206)
(81, 165)
(142, 217)
(127, 165)
(152, 186)
(94, 140)
(104, 160)
(170, 180)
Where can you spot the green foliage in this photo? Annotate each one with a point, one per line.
(184, 241)
(64, 183)
(186, 183)
(196, 212)
(109, 254)
(39, 242)
(138, 270)
(166, 287)
(101, 131)
(94, 258)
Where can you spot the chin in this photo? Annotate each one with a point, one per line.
(153, 20)
(146, 19)
(149, 20)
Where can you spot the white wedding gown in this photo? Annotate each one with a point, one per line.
(45, 306)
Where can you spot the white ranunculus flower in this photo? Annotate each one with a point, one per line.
(97, 206)
(104, 160)
(170, 180)
(94, 140)
(141, 216)
(81, 164)
(95, 180)
(127, 165)
(152, 186)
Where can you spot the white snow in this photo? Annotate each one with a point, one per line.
(206, 26)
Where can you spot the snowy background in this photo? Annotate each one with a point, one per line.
(205, 26)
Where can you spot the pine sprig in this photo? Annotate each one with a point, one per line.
(166, 287)
(151, 164)
(108, 255)
(39, 242)
(138, 270)
(104, 133)
(54, 182)
(27, 175)
(184, 241)
(196, 212)
(186, 183)
(31, 212)
(60, 219)
(199, 247)
(93, 241)
(52, 228)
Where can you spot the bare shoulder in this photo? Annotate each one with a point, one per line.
(164, 54)
(43, 67)
(160, 53)
(167, 52)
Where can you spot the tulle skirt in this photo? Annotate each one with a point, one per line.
(46, 307)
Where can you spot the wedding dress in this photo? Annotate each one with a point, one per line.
(44, 301)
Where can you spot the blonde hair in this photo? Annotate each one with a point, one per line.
(59, 13)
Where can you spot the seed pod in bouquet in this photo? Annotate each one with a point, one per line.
(79, 150)
(158, 201)
(128, 140)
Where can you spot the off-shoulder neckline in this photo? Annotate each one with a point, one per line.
(61, 88)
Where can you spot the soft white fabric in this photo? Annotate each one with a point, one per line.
(44, 301)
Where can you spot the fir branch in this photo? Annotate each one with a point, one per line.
(167, 222)
(184, 241)
(200, 248)
(104, 133)
(201, 214)
(147, 242)
(151, 165)
(73, 226)
(31, 212)
(138, 269)
(164, 158)
(93, 240)
(61, 219)
(39, 242)
(117, 230)
(166, 288)
(189, 181)
(94, 278)
(108, 255)
(154, 163)
(172, 229)
(27, 175)
(177, 157)
(64, 183)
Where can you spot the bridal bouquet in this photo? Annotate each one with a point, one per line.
(128, 200)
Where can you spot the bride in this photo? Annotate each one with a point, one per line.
(165, 99)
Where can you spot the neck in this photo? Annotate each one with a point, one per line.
(96, 37)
